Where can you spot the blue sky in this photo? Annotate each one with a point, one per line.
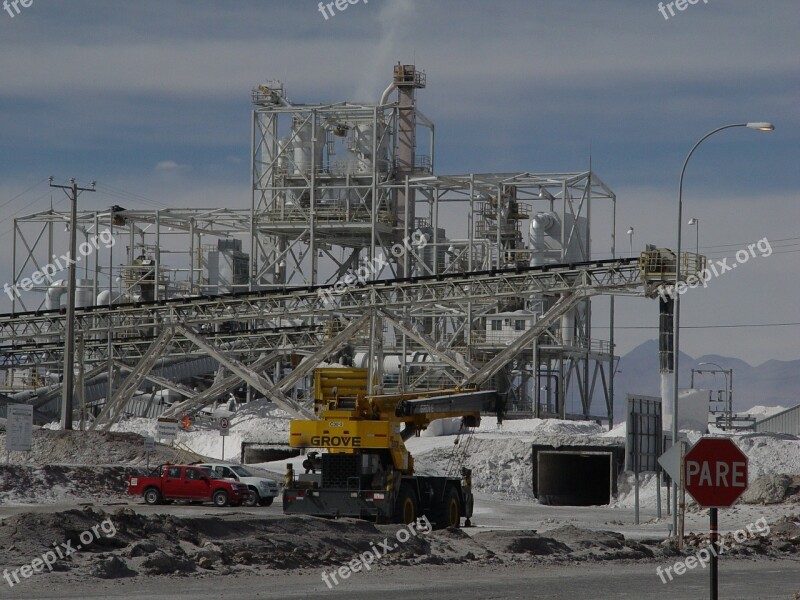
(110, 90)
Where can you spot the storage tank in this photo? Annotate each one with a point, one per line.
(305, 147)
(84, 293)
(284, 149)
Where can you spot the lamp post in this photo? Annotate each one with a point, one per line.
(761, 126)
(696, 222)
(630, 241)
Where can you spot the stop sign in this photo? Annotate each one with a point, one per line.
(715, 472)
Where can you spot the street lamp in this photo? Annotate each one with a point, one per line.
(696, 222)
(630, 240)
(758, 126)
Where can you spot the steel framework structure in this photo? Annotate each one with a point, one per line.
(141, 333)
(336, 188)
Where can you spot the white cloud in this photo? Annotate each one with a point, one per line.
(171, 165)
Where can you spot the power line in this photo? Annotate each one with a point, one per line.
(110, 190)
(48, 193)
(774, 246)
(732, 326)
(744, 244)
(22, 193)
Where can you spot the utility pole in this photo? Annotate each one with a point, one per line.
(68, 380)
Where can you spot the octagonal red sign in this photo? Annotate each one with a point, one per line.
(715, 472)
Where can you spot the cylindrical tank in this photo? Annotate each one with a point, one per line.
(305, 147)
(391, 362)
(363, 140)
(568, 328)
(284, 148)
(84, 293)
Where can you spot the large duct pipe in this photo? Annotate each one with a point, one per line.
(387, 92)
(541, 223)
(106, 298)
(52, 299)
(83, 294)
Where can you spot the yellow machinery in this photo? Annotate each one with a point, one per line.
(366, 470)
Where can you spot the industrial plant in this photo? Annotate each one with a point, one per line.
(355, 251)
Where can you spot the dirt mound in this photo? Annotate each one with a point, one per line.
(126, 543)
(129, 543)
(779, 538)
(56, 447)
(502, 467)
(565, 543)
(22, 484)
(521, 542)
(771, 489)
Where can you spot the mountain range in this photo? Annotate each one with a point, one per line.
(773, 383)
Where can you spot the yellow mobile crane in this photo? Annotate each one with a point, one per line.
(366, 471)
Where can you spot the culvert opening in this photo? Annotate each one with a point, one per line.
(574, 478)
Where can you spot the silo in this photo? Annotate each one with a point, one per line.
(306, 148)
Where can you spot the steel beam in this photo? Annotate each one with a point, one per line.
(113, 408)
(221, 386)
(405, 326)
(246, 374)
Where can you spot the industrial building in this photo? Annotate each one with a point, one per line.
(354, 250)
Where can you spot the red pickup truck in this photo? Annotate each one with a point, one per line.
(185, 482)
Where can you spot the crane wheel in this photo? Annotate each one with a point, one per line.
(448, 513)
(407, 506)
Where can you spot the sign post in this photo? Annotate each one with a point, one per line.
(715, 472)
(19, 428)
(672, 464)
(643, 441)
(224, 427)
(149, 447)
(167, 429)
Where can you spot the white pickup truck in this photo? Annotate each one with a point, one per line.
(264, 490)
